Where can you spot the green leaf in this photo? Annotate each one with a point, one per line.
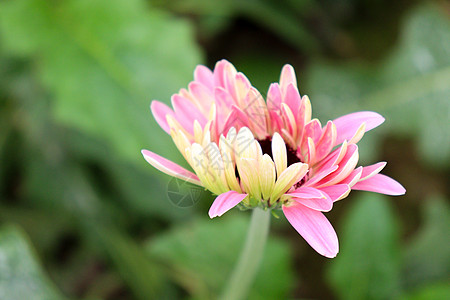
(435, 291)
(201, 256)
(367, 266)
(427, 256)
(21, 276)
(410, 87)
(103, 61)
(281, 20)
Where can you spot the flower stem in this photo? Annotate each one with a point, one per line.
(246, 268)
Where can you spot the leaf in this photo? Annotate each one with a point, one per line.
(435, 291)
(427, 256)
(205, 252)
(409, 87)
(103, 61)
(140, 272)
(368, 263)
(21, 276)
(280, 19)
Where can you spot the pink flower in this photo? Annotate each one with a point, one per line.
(270, 154)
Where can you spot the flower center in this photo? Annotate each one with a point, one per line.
(266, 146)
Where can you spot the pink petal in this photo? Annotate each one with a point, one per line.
(348, 125)
(276, 121)
(346, 166)
(287, 77)
(335, 157)
(274, 98)
(304, 114)
(224, 202)
(306, 192)
(353, 178)
(160, 111)
(382, 184)
(336, 192)
(204, 96)
(242, 85)
(220, 70)
(319, 204)
(312, 198)
(170, 168)
(237, 119)
(320, 175)
(204, 76)
(326, 142)
(292, 98)
(313, 130)
(371, 170)
(186, 113)
(314, 227)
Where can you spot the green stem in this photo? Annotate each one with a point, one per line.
(246, 268)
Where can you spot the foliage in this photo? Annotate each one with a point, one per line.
(21, 277)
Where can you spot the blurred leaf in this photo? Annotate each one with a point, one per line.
(280, 18)
(103, 61)
(205, 253)
(436, 291)
(367, 266)
(21, 276)
(427, 256)
(138, 270)
(57, 181)
(410, 87)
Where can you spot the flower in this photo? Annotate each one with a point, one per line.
(270, 154)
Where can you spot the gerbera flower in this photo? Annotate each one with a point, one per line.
(270, 154)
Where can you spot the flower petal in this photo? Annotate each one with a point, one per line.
(279, 153)
(274, 98)
(224, 202)
(371, 170)
(312, 198)
(287, 77)
(348, 125)
(319, 204)
(346, 166)
(204, 75)
(186, 113)
(336, 192)
(249, 175)
(160, 111)
(314, 227)
(326, 142)
(306, 192)
(170, 168)
(320, 175)
(353, 177)
(293, 174)
(267, 175)
(382, 184)
(292, 98)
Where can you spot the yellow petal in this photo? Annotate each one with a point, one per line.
(279, 153)
(229, 164)
(248, 172)
(358, 134)
(266, 175)
(200, 163)
(293, 174)
(245, 146)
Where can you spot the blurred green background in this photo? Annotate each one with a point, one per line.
(83, 216)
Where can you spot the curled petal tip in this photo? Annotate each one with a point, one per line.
(224, 202)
